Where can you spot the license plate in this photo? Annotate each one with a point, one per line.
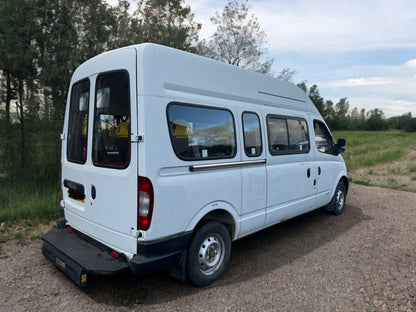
(76, 195)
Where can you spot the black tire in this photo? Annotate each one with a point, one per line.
(208, 254)
(337, 204)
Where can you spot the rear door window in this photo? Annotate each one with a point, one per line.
(78, 122)
(111, 137)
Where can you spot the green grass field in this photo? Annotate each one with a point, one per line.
(25, 207)
(386, 159)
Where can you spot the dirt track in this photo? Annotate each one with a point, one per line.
(363, 260)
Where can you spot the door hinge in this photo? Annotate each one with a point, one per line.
(137, 138)
(134, 232)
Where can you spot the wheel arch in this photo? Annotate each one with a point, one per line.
(344, 179)
(226, 216)
(346, 182)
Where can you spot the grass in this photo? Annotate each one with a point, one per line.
(25, 207)
(386, 159)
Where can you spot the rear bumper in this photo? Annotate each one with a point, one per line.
(78, 258)
(160, 255)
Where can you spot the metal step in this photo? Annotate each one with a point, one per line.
(77, 257)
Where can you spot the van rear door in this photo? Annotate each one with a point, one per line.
(99, 159)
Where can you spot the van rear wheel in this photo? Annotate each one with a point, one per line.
(208, 254)
(337, 204)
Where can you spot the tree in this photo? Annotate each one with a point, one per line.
(126, 26)
(18, 64)
(341, 108)
(316, 98)
(59, 52)
(94, 23)
(329, 111)
(376, 121)
(167, 22)
(286, 74)
(238, 39)
(357, 119)
(302, 85)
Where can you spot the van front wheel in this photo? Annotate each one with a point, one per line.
(337, 204)
(208, 254)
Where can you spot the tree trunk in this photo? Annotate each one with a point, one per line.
(8, 132)
(22, 125)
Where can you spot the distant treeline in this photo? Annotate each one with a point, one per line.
(338, 116)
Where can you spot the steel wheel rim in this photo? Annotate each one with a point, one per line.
(340, 199)
(211, 254)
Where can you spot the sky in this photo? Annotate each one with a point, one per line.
(364, 50)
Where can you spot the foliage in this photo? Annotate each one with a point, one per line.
(167, 22)
(42, 42)
(238, 39)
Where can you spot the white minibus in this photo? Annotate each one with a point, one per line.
(169, 157)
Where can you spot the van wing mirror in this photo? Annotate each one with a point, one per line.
(341, 143)
(339, 147)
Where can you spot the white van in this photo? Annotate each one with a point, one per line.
(168, 157)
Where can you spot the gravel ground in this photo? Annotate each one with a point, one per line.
(363, 260)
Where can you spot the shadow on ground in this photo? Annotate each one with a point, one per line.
(251, 257)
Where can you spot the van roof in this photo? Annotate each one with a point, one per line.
(164, 71)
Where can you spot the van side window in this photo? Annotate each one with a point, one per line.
(76, 150)
(252, 134)
(323, 139)
(287, 135)
(201, 132)
(111, 140)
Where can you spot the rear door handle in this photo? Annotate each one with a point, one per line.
(93, 192)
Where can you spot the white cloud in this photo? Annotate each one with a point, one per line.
(389, 107)
(358, 82)
(411, 63)
(342, 25)
(394, 92)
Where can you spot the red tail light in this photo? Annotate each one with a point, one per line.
(145, 204)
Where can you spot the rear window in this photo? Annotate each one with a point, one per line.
(78, 122)
(111, 138)
(200, 133)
